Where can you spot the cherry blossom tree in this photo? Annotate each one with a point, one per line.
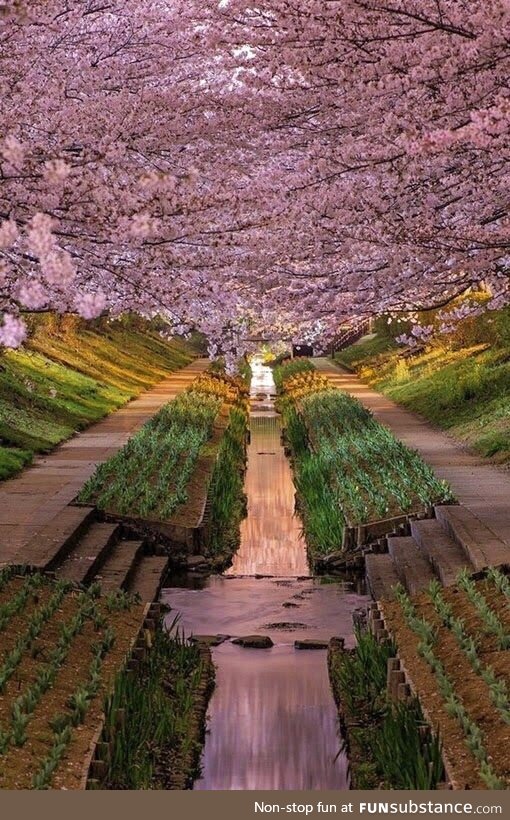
(235, 166)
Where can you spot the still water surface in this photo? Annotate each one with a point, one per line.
(272, 722)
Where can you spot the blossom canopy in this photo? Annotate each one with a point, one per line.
(235, 167)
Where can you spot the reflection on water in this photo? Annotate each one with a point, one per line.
(271, 540)
(248, 606)
(269, 711)
(272, 720)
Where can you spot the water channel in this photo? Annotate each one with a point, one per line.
(272, 721)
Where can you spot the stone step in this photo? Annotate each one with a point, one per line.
(89, 553)
(445, 555)
(381, 576)
(57, 538)
(412, 566)
(482, 547)
(148, 577)
(119, 567)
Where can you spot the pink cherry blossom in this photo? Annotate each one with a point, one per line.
(12, 151)
(57, 267)
(12, 331)
(56, 171)
(33, 295)
(39, 237)
(243, 169)
(8, 233)
(90, 305)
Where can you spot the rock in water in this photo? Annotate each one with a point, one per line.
(311, 643)
(209, 640)
(254, 641)
(197, 562)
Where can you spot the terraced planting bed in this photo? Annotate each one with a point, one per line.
(454, 644)
(163, 478)
(154, 722)
(354, 479)
(60, 650)
(389, 744)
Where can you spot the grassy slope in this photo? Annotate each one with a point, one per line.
(464, 388)
(70, 375)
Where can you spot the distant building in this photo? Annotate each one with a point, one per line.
(302, 350)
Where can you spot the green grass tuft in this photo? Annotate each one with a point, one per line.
(228, 500)
(158, 702)
(291, 367)
(388, 746)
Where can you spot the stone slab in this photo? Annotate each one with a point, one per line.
(381, 576)
(412, 566)
(445, 555)
(87, 555)
(119, 567)
(52, 541)
(148, 577)
(482, 547)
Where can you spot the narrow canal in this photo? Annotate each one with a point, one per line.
(272, 722)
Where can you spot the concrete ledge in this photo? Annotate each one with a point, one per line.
(482, 547)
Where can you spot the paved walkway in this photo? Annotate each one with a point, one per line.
(39, 493)
(481, 487)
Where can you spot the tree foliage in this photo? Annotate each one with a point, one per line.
(236, 166)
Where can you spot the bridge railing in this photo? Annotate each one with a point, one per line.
(349, 335)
